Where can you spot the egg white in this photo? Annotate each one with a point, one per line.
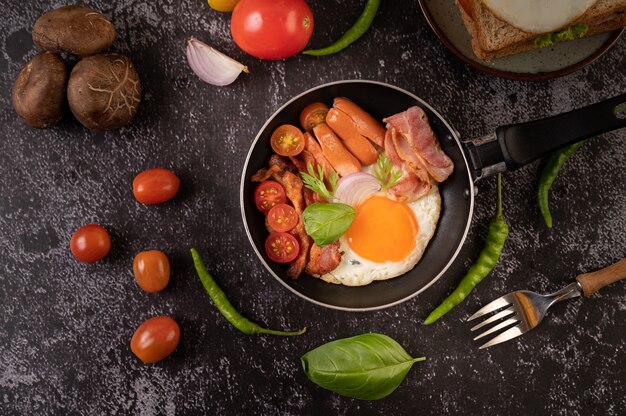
(353, 270)
(538, 16)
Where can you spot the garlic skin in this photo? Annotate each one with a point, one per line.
(211, 65)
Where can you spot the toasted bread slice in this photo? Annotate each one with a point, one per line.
(493, 38)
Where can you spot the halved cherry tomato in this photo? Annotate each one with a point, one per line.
(267, 194)
(282, 217)
(312, 115)
(465, 7)
(155, 339)
(282, 247)
(90, 243)
(271, 29)
(151, 270)
(287, 140)
(154, 186)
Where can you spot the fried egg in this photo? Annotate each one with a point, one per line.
(539, 16)
(386, 239)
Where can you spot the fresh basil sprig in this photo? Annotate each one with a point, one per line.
(365, 367)
(315, 181)
(385, 174)
(326, 222)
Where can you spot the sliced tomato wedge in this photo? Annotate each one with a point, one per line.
(282, 247)
(282, 217)
(312, 115)
(465, 6)
(287, 140)
(267, 194)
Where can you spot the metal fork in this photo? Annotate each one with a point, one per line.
(522, 310)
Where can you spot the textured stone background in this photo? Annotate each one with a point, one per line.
(65, 327)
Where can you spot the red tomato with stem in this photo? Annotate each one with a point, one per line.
(282, 217)
(282, 247)
(155, 339)
(152, 270)
(273, 29)
(90, 243)
(154, 186)
(267, 194)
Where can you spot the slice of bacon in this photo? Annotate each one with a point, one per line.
(297, 266)
(302, 162)
(293, 190)
(410, 187)
(264, 174)
(311, 197)
(390, 148)
(323, 259)
(413, 126)
(280, 171)
(411, 160)
(276, 163)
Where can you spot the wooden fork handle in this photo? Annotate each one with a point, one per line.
(594, 281)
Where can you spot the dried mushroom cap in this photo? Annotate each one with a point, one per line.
(104, 91)
(39, 90)
(75, 29)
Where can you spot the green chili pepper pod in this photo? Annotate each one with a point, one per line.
(226, 308)
(489, 256)
(355, 32)
(548, 174)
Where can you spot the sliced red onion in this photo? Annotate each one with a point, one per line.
(355, 188)
(211, 65)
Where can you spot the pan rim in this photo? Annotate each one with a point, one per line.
(453, 133)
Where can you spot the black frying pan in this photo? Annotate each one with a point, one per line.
(507, 149)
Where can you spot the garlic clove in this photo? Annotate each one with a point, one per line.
(211, 65)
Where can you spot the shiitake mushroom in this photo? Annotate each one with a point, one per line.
(39, 90)
(75, 29)
(104, 91)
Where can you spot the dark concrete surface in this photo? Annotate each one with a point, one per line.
(65, 327)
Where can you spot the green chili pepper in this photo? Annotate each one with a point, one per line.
(226, 308)
(549, 173)
(489, 256)
(355, 32)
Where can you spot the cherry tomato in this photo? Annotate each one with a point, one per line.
(312, 115)
(465, 6)
(287, 140)
(151, 270)
(282, 247)
(223, 5)
(267, 194)
(155, 339)
(282, 217)
(154, 186)
(274, 29)
(90, 243)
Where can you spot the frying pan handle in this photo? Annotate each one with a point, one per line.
(525, 142)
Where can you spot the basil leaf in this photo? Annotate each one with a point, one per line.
(366, 367)
(326, 222)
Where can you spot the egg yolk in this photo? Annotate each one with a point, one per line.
(383, 230)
